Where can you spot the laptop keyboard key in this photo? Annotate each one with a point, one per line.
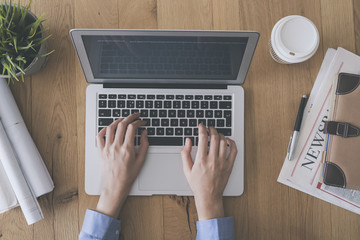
(176, 104)
(204, 104)
(112, 104)
(112, 96)
(158, 104)
(131, 96)
(169, 96)
(192, 122)
(116, 113)
(139, 104)
(160, 96)
(155, 122)
(147, 120)
(186, 104)
(167, 104)
(141, 96)
(217, 97)
(218, 113)
(160, 131)
(154, 113)
(151, 131)
(125, 112)
(178, 131)
(209, 113)
(181, 113)
(213, 105)
(104, 113)
(165, 122)
(220, 123)
(188, 131)
(198, 97)
(203, 121)
(121, 104)
(225, 131)
(195, 104)
(130, 104)
(227, 97)
(169, 131)
(149, 104)
(150, 96)
(174, 122)
(211, 122)
(180, 97)
(102, 104)
(183, 122)
(121, 96)
(199, 113)
(102, 96)
(144, 113)
(105, 121)
(172, 113)
(190, 113)
(165, 141)
(162, 113)
(225, 105)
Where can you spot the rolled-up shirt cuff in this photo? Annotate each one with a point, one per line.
(99, 226)
(216, 229)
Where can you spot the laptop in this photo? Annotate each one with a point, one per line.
(176, 80)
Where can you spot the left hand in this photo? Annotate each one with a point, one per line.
(120, 164)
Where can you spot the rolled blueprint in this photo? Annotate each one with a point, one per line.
(30, 161)
(27, 200)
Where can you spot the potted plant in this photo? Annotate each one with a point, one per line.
(23, 45)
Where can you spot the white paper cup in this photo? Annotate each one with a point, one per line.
(293, 39)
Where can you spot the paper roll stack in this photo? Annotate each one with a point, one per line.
(26, 174)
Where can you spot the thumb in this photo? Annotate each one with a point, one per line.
(186, 157)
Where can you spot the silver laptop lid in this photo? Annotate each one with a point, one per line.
(164, 56)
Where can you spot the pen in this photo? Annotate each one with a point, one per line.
(294, 137)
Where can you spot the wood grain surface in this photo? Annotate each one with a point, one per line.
(53, 105)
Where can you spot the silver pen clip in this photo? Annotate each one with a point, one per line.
(288, 149)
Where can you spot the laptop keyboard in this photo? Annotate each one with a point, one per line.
(170, 119)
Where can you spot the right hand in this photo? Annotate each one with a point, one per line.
(210, 172)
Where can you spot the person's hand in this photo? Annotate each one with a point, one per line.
(210, 172)
(120, 164)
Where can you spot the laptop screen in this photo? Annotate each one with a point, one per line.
(164, 57)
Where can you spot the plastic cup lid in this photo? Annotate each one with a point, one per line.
(295, 38)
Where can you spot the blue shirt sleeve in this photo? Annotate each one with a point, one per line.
(216, 229)
(99, 226)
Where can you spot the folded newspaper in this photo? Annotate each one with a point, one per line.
(23, 174)
(304, 172)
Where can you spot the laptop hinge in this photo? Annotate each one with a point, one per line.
(169, 86)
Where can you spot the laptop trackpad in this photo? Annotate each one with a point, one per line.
(163, 172)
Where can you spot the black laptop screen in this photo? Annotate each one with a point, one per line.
(165, 57)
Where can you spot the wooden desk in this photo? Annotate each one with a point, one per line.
(53, 105)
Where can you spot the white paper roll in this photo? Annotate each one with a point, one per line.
(28, 202)
(30, 160)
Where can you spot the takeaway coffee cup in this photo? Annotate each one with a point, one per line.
(293, 39)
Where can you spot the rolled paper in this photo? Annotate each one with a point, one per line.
(27, 200)
(25, 149)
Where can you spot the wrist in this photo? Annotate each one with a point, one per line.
(209, 208)
(110, 203)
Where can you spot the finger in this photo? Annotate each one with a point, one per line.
(144, 146)
(222, 147)
(100, 138)
(121, 130)
(214, 142)
(233, 151)
(186, 157)
(203, 141)
(131, 131)
(110, 132)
